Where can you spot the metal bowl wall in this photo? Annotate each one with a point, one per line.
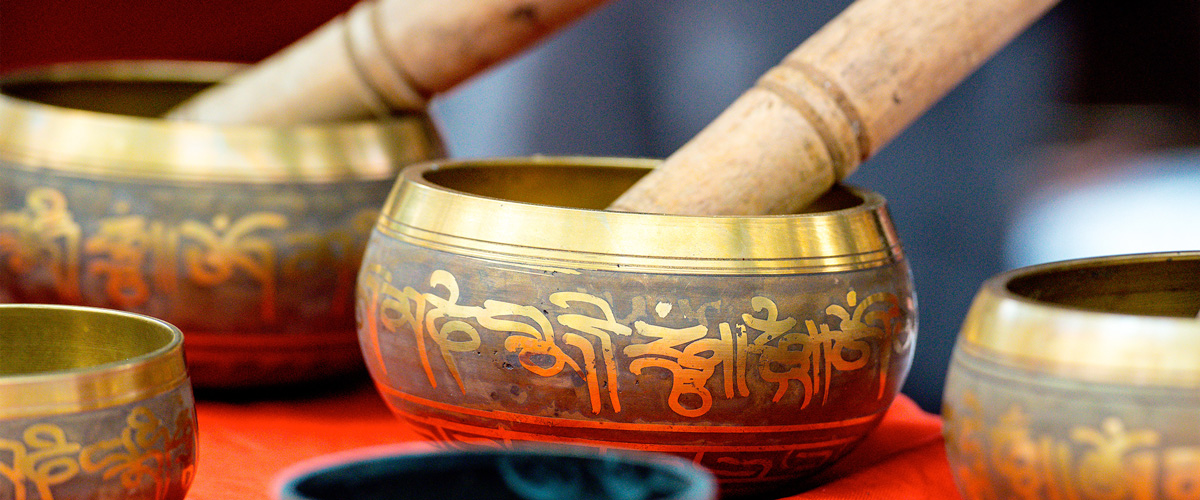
(246, 238)
(1080, 379)
(498, 302)
(94, 403)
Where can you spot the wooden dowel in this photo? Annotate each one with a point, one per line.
(380, 57)
(830, 104)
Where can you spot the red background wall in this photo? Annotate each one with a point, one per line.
(44, 31)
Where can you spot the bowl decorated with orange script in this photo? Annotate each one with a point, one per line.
(94, 404)
(499, 302)
(1080, 379)
(247, 238)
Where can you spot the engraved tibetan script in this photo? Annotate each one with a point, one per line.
(147, 455)
(580, 336)
(1109, 461)
(134, 258)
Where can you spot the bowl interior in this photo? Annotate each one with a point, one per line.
(500, 475)
(573, 186)
(133, 88)
(133, 98)
(1143, 287)
(43, 339)
(100, 119)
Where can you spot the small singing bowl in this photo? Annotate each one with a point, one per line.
(520, 472)
(94, 404)
(498, 301)
(247, 238)
(1080, 379)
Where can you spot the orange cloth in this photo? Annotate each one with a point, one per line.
(244, 445)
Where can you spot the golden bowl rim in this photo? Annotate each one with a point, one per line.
(128, 147)
(98, 386)
(1088, 345)
(848, 239)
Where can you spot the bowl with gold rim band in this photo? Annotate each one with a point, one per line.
(499, 302)
(1080, 379)
(94, 403)
(247, 238)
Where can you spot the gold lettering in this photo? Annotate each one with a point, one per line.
(126, 243)
(454, 335)
(810, 356)
(141, 457)
(44, 458)
(137, 457)
(689, 367)
(43, 233)
(854, 329)
(1115, 465)
(736, 373)
(780, 363)
(1018, 457)
(601, 328)
(786, 351)
(534, 343)
(216, 252)
(1109, 462)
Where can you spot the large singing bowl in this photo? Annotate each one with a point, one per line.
(499, 302)
(246, 238)
(1080, 380)
(95, 404)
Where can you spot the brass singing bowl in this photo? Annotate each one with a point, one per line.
(1080, 379)
(94, 403)
(247, 238)
(525, 471)
(498, 301)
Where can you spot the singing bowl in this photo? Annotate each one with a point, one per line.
(94, 404)
(1080, 379)
(246, 238)
(498, 301)
(525, 471)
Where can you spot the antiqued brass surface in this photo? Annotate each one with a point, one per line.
(1080, 379)
(498, 303)
(1124, 320)
(246, 238)
(94, 403)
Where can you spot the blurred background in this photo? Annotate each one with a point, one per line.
(1078, 139)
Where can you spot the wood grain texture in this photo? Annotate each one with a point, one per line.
(831, 103)
(380, 57)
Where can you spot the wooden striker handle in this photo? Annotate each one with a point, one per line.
(380, 57)
(831, 103)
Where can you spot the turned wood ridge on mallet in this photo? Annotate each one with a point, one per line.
(830, 104)
(381, 57)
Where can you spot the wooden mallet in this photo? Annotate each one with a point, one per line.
(831, 103)
(381, 57)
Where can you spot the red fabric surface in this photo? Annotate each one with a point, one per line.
(244, 446)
